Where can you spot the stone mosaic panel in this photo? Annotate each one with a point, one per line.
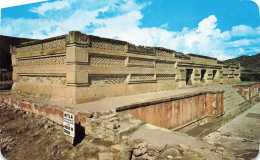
(164, 53)
(164, 64)
(200, 60)
(141, 49)
(107, 61)
(43, 80)
(42, 61)
(106, 44)
(165, 77)
(107, 79)
(54, 44)
(59, 43)
(142, 76)
(141, 61)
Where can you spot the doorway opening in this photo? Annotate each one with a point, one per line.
(214, 73)
(203, 71)
(188, 75)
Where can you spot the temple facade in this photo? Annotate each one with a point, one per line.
(77, 68)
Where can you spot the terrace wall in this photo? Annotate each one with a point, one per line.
(248, 91)
(180, 112)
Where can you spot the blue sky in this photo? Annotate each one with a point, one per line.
(219, 28)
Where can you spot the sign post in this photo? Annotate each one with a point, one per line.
(69, 126)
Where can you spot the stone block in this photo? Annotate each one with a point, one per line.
(77, 77)
(76, 55)
(118, 147)
(105, 156)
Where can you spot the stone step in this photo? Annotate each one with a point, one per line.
(233, 104)
(233, 98)
(232, 95)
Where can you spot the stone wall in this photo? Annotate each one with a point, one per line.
(78, 68)
(248, 90)
(39, 68)
(107, 126)
(179, 112)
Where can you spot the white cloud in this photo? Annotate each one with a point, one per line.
(205, 39)
(56, 5)
(130, 5)
(240, 43)
(243, 30)
(165, 26)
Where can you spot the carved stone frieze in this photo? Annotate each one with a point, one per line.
(142, 76)
(107, 79)
(165, 77)
(164, 53)
(106, 44)
(49, 80)
(164, 64)
(141, 61)
(107, 60)
(42, 61)
(59, 43)
(31, 48)
(141, 49)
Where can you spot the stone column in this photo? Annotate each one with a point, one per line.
(180, 78)
(15, 76)
(76, 61)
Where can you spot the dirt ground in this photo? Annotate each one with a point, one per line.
(28, 136)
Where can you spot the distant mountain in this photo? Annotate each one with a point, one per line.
(250, 67)
(248, 62)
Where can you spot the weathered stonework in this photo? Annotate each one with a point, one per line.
(248, 90)
(181, 111)
(78, 68)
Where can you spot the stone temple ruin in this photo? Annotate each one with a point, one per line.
(107, 89)
(78, 68)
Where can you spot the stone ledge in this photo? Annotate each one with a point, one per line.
(41, 41)
(247, 84)
(164, 99)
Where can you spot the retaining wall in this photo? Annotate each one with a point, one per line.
(180, 112)
(248, 90)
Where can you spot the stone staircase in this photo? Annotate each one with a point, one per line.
(232, 99)
(234, 105)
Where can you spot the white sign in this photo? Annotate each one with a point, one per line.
(69, 125)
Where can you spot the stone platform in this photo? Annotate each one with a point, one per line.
(117, 103)
(108, 114)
